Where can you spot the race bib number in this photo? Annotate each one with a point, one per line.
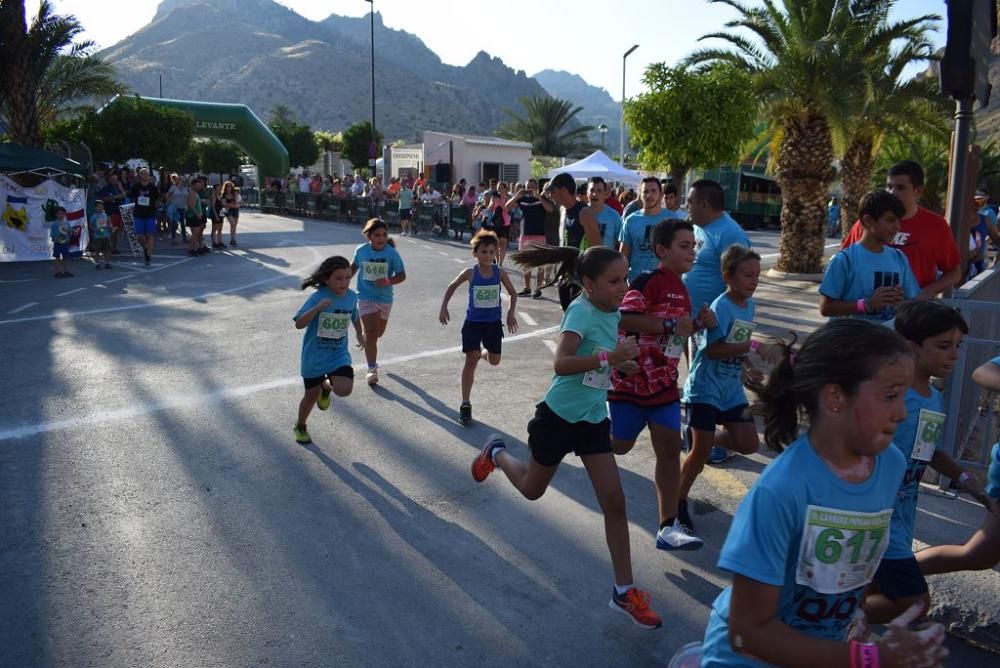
(741, 331)
(599, 378)
(143, 200)
(486, 296)
(930, 430)
(333, 325)
(675, 347)
(375, 270)
(840, 549)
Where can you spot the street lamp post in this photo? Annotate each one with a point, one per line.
(603, 129)
(621, 142)
(372, 147)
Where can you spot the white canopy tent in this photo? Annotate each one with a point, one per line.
(599, 164)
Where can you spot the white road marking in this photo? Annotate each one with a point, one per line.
(70, 292)
(428, 247)
(550, 344)
(20, 280)
(455, 259)
(528, 320)
(149, 271)
(25, 307)
(187, 401)
(443, 253)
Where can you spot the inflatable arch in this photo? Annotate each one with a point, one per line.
(235, 123)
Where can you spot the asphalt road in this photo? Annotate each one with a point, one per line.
(156, 511)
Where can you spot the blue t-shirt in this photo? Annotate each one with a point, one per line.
(324, 345)
(637, 234)
(818, 538)
(717, 382)
(100, 224)
(904, 514)
(583, 397)
(484, 297)
(60, 232)
(610, 225)
(704, 281)
(372, 265)
(405, 198)
(856, 272)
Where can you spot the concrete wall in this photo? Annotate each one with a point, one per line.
(468, 156)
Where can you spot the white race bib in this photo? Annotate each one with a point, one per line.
(333, 325)
(143, 200)
(375, 270)
(486, 296)
(599, 378)
(930, 430)
(841, 549)
(741, 331)
(675, 347)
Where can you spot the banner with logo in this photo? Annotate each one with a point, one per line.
(27, 214)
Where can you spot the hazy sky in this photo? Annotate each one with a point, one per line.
(586, 37)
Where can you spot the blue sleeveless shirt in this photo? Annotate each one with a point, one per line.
(484, 297)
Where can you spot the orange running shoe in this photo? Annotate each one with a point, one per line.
(635, 604)
(483, 464)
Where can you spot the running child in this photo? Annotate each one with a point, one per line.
(483, 326)
(713, 392)
(869, 279)
(934, 332)
(982, 551)
(61, 233)
(657, 312)
(807, 538)
(380, 268)
(100, 231)
(326, 359)
(573, 415)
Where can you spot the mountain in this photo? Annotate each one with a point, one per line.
(262, 54)
(598, 105)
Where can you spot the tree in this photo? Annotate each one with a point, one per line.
(549, 125)
(329, 141)
(45, 71)
(800, 58)
(686, 119)
(131, 127)
(356, 139)
(218, 156)
(297, 137)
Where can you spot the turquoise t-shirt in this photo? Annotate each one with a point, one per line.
(637, 234)
(717, 382)
(856, 272)
(59, 232)
(583, 397)
(99, 223)
(405, 198)
(372, 265)
(929, 428)
(610, 225)
(324, 345)
(704, 281)
(818, 538)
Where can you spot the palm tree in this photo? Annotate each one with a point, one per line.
(802, 57)
(549, 124)
(45, 70)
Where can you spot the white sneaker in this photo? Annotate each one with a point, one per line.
(372, 376)
(675, 537)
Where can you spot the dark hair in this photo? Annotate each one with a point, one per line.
(650, 179)
(845, 352)
(878, 202)
(573, 265)
(710, 192)
(322, 274)
(733, 256)
(376, 224)
(598, 180)
(581, 189)
(910, 169)
(669, 188)
(917, 321)
(61, 208)
(665, 231)
(487, 237)
(563, 180)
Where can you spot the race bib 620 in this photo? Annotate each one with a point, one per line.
(486, 296)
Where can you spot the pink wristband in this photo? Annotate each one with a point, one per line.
(602, 357)
(754, 344)
(864, 655)
(860, 306)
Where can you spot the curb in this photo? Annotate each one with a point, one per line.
(792, 276)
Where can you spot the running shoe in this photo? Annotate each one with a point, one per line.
(67, 274)
(524, 293)
(323, 402)
(465, 413)
(372, 376)
(537, 294)
(684, 518)
(301, 435)
(483, 464)
(675, 537)
(222, 245)
(719, 455)
(233, 243)
(635, 604)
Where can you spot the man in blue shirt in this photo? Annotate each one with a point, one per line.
(608, 220)
(637, 229)
(714, 232)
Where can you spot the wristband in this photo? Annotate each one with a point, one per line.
(964, 477)
(864, 654)
(754, 344)
(602, 357)
(861, 306)
(669, 325)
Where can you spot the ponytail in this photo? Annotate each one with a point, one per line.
(777, 403)
(573, 265)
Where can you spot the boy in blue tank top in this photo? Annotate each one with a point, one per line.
(483, 326)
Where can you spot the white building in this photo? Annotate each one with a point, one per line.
(450, 157)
